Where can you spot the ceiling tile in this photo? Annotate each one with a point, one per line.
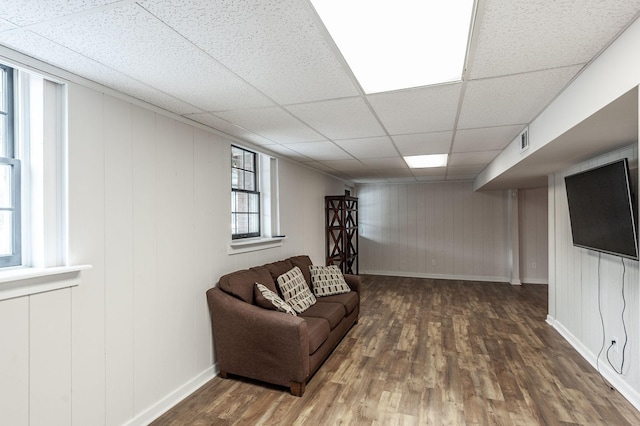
(272, 123)
(404, 179)
(515, 99)
(427, 109)
(385, 163)
(229, 128)
(369, 147)
(6, 25)
(472, 158)
(485, 139)
(287, 152)
(521, 36)
(461, 177)
(465, 170)
(424, 143)
(54, 54)
(436, 178)
(429, 171)
(346, 166)
(320, 166)
(339, 119)
(321, 151)
(131, 40)
(277, 46)
(26, 12)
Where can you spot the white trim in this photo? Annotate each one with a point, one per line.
(171, 400)
(534, 281)
(437, 276)
(254, 244)
(550, 320)
(607, 372)
(19, 282)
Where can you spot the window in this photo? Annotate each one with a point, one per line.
(10, 173)
(33, 182)
(245, 196)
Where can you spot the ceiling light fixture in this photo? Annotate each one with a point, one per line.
(399, 44)
(425, 161)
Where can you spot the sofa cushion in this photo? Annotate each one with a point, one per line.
(332, 312)
(295, 290)
(278, 268)
(268, 299)
(267, 280)
(348, 300)
(241, 283)
(319, 330)
(327, 280)
(303, 262)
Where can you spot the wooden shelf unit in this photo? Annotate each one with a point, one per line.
(342, 232)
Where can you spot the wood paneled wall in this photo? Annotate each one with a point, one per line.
(533, 227)
(583, 286)
(149, 208)
(441, 230)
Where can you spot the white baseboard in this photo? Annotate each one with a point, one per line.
(550, 321)
(607, 372)
(166, 403)
(437, 276)
(534, 281)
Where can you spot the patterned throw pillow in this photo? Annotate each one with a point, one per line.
(295, 290)
(328, 280)
(279, 304)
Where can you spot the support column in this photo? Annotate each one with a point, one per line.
(515, 238)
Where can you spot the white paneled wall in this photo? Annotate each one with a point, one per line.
(534, 253)
(149, 209)
(582, 288)
(434, 230)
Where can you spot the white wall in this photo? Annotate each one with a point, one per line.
(443, 230)
(574, 290)
(149, 209)
(534, 253)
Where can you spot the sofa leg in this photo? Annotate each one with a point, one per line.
(223, 374)
(297, 389)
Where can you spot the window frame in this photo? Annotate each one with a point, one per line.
(8, 158)
(240, 189)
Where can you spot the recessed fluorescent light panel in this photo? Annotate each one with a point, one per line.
(399, 44)
(425, 161)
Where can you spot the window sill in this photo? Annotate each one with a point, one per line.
(254, 244)
(21, 282)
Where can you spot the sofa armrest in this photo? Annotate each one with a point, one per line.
(258, 343)
(354, 283)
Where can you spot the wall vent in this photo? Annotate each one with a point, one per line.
(524, 140)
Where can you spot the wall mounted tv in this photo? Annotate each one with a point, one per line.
(602, 210)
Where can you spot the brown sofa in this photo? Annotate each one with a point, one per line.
(272, 346)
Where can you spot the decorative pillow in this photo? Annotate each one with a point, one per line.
(272, 301)
(295, 290)
(328, 280)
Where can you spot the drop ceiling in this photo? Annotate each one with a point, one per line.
(266, 72)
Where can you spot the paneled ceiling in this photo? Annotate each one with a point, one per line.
(266, 72)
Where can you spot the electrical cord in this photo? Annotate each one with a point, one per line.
(602, 324)
(624, 325)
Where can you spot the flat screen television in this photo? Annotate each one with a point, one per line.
(602, 210)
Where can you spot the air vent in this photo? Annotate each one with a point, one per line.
(524, 140)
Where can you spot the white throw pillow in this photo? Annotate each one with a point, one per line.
(275, 300)
(295, 290)
(328, 280)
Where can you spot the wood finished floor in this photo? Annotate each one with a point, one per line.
(430, 352)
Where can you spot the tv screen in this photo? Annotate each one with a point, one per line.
(601, 210)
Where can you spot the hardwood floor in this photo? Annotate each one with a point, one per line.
(430, 352)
